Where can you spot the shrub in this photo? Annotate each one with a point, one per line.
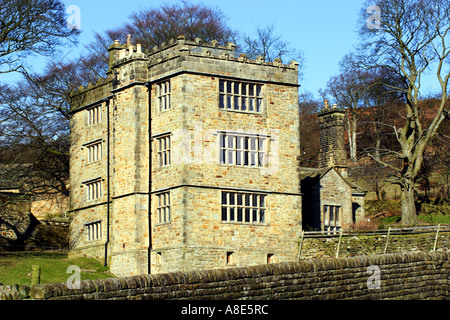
(365, 225)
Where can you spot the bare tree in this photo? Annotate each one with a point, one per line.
(308, 104)
(34, 114)
(270, 46)
(30, 27)
(309, 129)
(411, 39)
(380, 100)
(154, 26)
(34, 139)
(348, 90)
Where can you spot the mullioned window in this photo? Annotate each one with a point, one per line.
(240, 96)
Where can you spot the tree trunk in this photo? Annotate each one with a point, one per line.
(409, 215)
(351, 122)
(377, 147)
(353, 146)
(377, 141)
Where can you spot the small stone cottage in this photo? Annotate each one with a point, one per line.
(331, 201)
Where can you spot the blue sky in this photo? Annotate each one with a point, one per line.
(325, 30)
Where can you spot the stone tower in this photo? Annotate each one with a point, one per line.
(332, 145)
(185, 158)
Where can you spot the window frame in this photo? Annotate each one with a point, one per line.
(164, 149)
(164, 95)
(241, 207)
(243, 150)
(164, 207)
(241, 96)
(93, 189)
(332, 217)
(94, 230)
(94, 115)
(94, 150)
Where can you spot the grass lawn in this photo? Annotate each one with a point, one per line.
(433, 212)
(434, 219)
(15, 267)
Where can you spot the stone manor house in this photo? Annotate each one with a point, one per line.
(186, 158)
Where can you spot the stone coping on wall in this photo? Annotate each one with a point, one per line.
(336, 278)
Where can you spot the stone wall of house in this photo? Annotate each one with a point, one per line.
(393, 276)
(334, 191)
(195, 237)
(122, 130)
(84, 210)
(129, 233)
(207, 242)
(17, 224)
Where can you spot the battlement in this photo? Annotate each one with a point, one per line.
(166, 51)
(180, 55)
(211, 50)
(91, 93)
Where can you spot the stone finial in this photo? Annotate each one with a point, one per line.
(198, 41)
(293, 64)
(181, 39)
(242, 57)
(231, 46)
(206, 53)
(277, 62)
(334, 105)
(259, 59)
(326, 104)
(214, 43)
(224, 55)
(129, 40)
(138, 48)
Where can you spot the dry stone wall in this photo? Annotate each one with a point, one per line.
(367, 243)
(416, 275)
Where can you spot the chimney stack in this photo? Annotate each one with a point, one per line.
(332, 143)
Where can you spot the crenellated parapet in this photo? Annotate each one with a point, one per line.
(182, 55)
(92, 93)
(129, 63)
(211, 50)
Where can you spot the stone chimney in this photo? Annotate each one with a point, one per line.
(332, 144)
